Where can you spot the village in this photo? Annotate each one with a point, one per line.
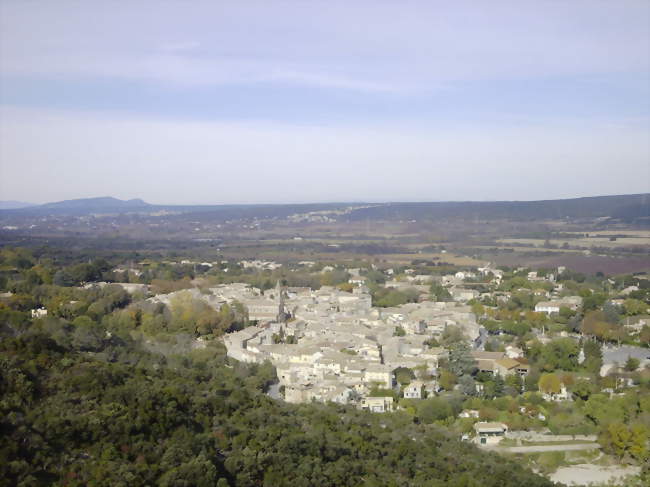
(333, 345)
(548, 364)
(533, 362)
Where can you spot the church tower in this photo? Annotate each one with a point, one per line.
(283, 315)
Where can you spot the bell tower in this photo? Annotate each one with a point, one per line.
(282, 310)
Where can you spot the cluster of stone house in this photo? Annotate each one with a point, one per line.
(341, 347)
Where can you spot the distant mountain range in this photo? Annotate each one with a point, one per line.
(95, 204)
(13, 205)
(625, 207)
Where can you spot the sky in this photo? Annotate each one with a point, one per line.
(313, 101)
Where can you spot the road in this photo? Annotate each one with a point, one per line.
(544, 448)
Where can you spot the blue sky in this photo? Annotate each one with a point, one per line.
(372, 100)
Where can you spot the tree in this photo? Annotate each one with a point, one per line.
(461, 361)
(582, 389)
(494, 387)
(434, 409)
(644, 336)
(625, 441)
(404, 375)
(593, 301)
(631, 364)
(612, 312)
(451, 335)
(634, 307)
(514, 384)
(399, 332)
(566, 312)
(478, 309)
(62, 278)
(559, 354)
(531, 380)
(447, 380)
(593, 356)
(600, 409)
(467, 385)
(439, 292)
(431, 342)
(550, 384)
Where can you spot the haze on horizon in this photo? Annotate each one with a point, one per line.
(274, 102)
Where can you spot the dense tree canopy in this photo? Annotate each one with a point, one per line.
(126, 417)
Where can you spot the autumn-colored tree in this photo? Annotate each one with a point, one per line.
(625, 441)
(550, 384)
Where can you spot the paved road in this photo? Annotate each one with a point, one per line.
(620, 354)
(543, 448)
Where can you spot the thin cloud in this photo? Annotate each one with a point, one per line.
(374, 46)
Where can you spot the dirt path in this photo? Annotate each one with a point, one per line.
(543, 448)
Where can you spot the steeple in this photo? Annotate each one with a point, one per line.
(282, 310)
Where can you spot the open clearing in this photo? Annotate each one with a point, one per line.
(586, 474)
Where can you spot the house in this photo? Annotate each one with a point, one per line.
(469, 413)
(340, 395)
(563, 395)
(464, 275)
(377, 404)
(489, 433)
(499, 363)
(514, 352)
(38, 313)
(380, 374)
(296, 394)
(432, 387)
(550, 307)
(461, 294)
(508, 366)
(414, 390)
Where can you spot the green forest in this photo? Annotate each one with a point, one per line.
(121, 416)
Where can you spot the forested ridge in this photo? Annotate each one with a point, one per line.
(122, 416)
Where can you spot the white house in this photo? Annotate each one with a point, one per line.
(550, 307)
(380, 374)
(414, 390)
(489, 433)
(469, 413)
(377, 404)
(563, 395)
(39, 313)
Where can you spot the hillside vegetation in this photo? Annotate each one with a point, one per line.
(120, 416)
